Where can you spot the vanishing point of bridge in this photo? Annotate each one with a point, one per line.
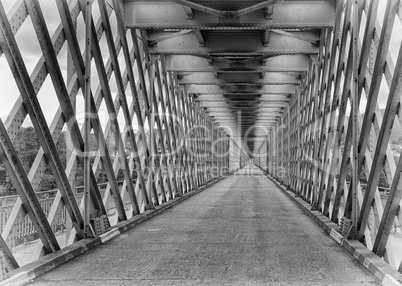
(237, 124)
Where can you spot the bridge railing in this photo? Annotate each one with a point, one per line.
(23, 227)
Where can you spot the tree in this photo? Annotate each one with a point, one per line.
(27, 145)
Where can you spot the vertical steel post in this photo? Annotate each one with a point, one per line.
(355, 110)
(68, 138)
(87, 94)
(299, 125)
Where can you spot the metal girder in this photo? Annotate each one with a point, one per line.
(242, 119)
(246, 123)
(244, 108)
(281, 63)
(240, 90)
(245, 113)
(237, 78)
(223, 119)
(166, 36)
(237, 43)
(151, 15)
(314, 39)
(226, 14)
(268, 97)
(257, 106)
(244, 102)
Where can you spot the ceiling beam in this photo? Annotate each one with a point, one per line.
(244, 43)
(246, 91)
(268, 97)
(246, 108)
(196, 63)
(238, 78)
(314, 41)
(248, 102)
(154, 41)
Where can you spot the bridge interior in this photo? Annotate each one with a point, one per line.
(134, 104)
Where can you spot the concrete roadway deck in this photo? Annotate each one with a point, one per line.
(241, 231)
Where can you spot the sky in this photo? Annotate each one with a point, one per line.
(31, 52)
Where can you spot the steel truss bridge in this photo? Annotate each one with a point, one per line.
(189, 92)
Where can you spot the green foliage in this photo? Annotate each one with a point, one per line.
(47, 183)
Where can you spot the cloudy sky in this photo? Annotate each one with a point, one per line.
(31, 52)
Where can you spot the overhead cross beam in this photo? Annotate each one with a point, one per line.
(244, 44)
(199, 63)
(154, 41)
(165, 14)
(238, 78)
(313, 41)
